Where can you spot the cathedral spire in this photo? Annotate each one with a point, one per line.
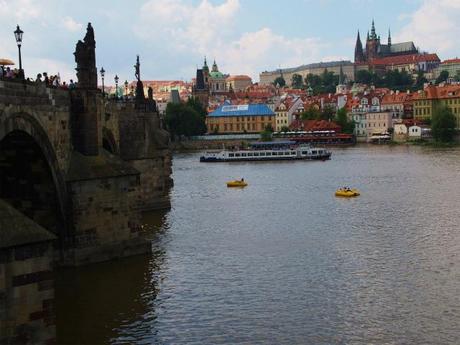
(359, 54)
(205, 66)
(389, 37)
(373, 35)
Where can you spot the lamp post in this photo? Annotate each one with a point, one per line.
(18, 35)
(102, 71)
(126, 89)
(116, 86)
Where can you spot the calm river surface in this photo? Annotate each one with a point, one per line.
(283, 261)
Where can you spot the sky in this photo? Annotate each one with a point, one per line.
(243, 36)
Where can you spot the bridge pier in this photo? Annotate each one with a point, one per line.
(26, 280)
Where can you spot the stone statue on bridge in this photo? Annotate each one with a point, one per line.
(85, 57)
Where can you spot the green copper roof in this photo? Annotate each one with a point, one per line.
(216, 75)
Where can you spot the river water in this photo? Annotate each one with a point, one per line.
(283, 261)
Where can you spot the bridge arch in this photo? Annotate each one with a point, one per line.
(31, 178)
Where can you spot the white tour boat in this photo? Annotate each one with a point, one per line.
(265, 151)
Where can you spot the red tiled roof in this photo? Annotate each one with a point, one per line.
(315, 125)
(405, 59)
(439, 92)
(456, 60)
(239, 77)
(396, 98)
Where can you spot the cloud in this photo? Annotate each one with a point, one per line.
(70, 24)
(185, 24)
(21, 10)
(433, 27)
(212, 30)
(264, 49)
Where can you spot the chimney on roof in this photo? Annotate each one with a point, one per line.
(397, 92)
(392, 92)
(408, 92)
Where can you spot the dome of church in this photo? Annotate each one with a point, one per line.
(216, 75)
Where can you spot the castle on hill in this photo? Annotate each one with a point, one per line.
(375, 49)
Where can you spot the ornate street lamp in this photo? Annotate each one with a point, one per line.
(102, 71)
(126, 89)
(18, 35)
(116, 86)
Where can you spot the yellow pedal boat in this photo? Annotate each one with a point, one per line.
(237, 183)
(346, 192)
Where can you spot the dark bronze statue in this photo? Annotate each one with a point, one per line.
(137, 68)
(140, 96)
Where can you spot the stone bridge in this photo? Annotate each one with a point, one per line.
(82, 166)
(76, 172)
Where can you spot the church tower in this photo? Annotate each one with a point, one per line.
(205, 70)
(372, 44)
(359, 54)
(214, 67)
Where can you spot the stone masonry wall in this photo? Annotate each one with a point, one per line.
(106, 225)
(27, 295)
(49, 107)
(153, 192)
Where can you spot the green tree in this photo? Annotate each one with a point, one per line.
(327, 113)
(296, 81)
(311, 114)
(342, 121)
(420, 80)
(195, 103)
(183, 120)
(284, 129)
(442, 76)
(314, 82)
(326, 82)
(397, 80)
(266, 134)
(443, 124)
(363, 77)
(280, 81)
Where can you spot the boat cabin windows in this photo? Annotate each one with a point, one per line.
(262, 153)
(243, 154)
(269, 153)
(314, 152)
(231, 155)
(256, 154)
(250, 154)
(305, 152)
(237, 155)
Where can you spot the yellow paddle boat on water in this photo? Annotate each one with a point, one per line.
(347, 192)
(237, 183)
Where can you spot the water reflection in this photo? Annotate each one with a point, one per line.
(284, 261)
(110, 302)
